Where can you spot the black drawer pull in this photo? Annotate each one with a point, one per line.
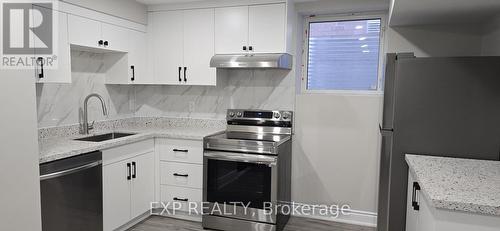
(185, 78)
(134, 172)
(180, 69)
(414, 201)
(180, 199)
(180, 150)
(183, 175)
(133, 72)
(39, 61)
(129, 172)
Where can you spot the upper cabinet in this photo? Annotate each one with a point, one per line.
(259, 29)
(182, 46)
(85, 32)
(56, 67)
(124, 48)
(231, 30)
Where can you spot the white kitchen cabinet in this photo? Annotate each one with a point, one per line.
(180, 173)
(142, 191)
(56, 67)
(116, 199)
(128, 182)
(267, 24)
(128, 66)
(425, 217)
(183, 45)
(198, 47)
(167, 37)
(84, 32)
(257, 28)
(116, 37)
(231, 30)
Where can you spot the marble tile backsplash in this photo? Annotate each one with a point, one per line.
(61, 104)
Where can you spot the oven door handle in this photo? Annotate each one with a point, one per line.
(241, 157)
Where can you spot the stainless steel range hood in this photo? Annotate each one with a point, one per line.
(250, 61)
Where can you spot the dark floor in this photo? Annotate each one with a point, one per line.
(156, 223)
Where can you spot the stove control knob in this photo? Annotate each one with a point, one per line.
(239, 114)
(286, 115)
(277, 115)
(231, 114)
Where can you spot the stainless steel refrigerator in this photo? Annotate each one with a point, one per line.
(434, 106)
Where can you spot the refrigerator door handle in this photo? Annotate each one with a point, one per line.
(385, 131)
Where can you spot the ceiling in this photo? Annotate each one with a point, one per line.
(414, 12)
(153, 2)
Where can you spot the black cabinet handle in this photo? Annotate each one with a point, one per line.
(128, 170)
(134, 171)
(185, 70)
(182, 175)
(414, 196)
(244, 48)
(180, 199)
(180, 150)
(133, 72)
(40, 62)
(250, 48)
(106, 43)
(180, 69)
(100, 42)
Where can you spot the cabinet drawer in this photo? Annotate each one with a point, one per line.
(126, 151)
(183, 196)
(186, 151)
(181, 174)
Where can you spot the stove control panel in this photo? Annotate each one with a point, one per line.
(260, 116)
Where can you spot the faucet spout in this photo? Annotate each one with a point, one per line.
(85, 126)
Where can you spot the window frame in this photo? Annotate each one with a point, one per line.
(344, 17)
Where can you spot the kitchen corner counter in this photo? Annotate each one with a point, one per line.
(59, 147)
(458, 184)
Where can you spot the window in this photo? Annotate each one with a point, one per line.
(343, 55)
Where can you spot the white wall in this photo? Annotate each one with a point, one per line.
(436, 40)
(336, 141)
(128, 9)
(491, 37)
(19, 176)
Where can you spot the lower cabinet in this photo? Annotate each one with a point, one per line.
(181, 176)
(422, 216)
(128, 183)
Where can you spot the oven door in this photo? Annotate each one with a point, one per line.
(232, 179)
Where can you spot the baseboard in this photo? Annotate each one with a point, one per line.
(133, 222)
(350, 216)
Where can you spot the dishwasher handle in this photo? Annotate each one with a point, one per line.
(69, 171)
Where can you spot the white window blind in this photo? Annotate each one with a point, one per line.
(343, 55)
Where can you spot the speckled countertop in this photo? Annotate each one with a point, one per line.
(458, 184)
(60, 142)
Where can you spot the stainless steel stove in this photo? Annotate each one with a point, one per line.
(247, 171)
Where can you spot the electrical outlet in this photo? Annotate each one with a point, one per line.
(191, 106)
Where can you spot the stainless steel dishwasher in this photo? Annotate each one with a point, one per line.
(71, 192)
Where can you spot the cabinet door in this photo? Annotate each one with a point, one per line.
(167, 38)
(143, 185)
(231, 30)
(116, 37)
(116, 198)
(199, 47)
(137, 56)
(84, 32)
(411, 214)
(58, 69)
(267, 28)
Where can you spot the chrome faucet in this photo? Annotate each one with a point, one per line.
(86, 127)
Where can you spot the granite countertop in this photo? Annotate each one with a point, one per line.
(58, 143)
(458, 184)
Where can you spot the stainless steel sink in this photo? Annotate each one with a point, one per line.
(104, 137)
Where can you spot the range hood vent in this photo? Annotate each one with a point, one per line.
(252, 61)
